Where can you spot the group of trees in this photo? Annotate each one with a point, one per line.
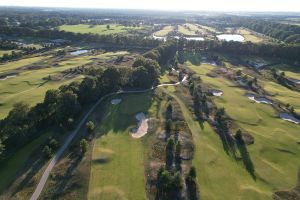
(62, 106)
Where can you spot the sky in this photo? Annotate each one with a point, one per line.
(173, 5)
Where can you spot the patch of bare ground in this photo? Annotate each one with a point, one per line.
(293, 194)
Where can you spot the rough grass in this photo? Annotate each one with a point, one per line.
(274, 153)
(117, 170)
(98, 29)
(164, 32)
(290, 71)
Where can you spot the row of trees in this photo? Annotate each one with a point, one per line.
(114, 39)
(278, 51)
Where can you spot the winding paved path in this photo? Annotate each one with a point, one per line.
(61, 150)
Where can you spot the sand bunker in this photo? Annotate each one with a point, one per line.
(216, 93)
(290, 118)
(259, 99)
(7, 77)
(142, 128)
(116, 101)
(296, 81)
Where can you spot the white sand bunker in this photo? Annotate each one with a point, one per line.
(7, 77)
(116, 101)
(259, 99)
(290, 118)
(142, 128)
(216, 93)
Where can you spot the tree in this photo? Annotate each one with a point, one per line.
(107, 26)
(90, 126)
(47, 151)
(84, 145)
(238, 136)
(192, 172)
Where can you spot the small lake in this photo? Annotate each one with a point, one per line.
(78, 52)
(231, 37)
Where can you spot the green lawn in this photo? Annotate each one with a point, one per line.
(11, 167)
(290, 71)
(189, 29)
(275, 152)
(117, 170)
(164, 32)
(98, 29)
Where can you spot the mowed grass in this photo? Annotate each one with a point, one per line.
(164, 32)
(290, 71)
(249, 36)
(98, 29)
(117, 170)
(11, 167)
(189, 29)
(274, 154)
(16, 64)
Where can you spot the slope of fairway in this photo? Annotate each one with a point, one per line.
(117, 170)
(274, 154)
(219, 176)
(164, 32)
(98, 29)
(16, 64)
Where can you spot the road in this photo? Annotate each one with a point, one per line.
(65, 145)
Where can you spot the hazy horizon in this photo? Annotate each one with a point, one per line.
(176, 5)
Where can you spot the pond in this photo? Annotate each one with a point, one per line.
(231, 37)
(78, 52)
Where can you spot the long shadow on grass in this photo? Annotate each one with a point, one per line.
(246, 158)
(32, 167)
(60, 187)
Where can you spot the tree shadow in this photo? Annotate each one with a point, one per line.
(246, 158)
(228, 144)
(60, 187)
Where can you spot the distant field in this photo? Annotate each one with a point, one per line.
(117, 170)
(189, 29)
(250, 36)
(275, 168)
(98, 29)
(29, 86)
(164, 31)
(2, 52)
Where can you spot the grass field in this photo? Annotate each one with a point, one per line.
(290, 71)
(274, 153)
(164, 32)
(29, 86)
(98, 29)
(249, 36)
(189, 29)
(117, 170)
